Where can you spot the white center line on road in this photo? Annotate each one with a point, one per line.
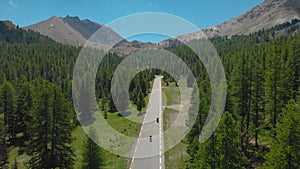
(150, 127)
(160, 126)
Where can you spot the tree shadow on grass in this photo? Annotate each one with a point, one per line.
(124, 114)
(141, 113)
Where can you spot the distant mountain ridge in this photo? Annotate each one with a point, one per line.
(56, 29)
(85, 27)
(76, 32)
(266, 15)
(10, 33)
(73, 31)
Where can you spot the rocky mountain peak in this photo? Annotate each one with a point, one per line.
(266, 15)
(10, 25)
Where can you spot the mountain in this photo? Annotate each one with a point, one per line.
(9, 25)
(76, 32)
(134, 46)
(58, 30)
(87, 28)
(266, 15)
(11, 33)
(73, 31)
(269, 14)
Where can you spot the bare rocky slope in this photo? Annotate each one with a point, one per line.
(76, 32)
(58, 30)
(266, 15)
(73, 31)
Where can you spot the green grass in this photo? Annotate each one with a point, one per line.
(167, 122)
(175, 157)
(172, 95)
(80, 138)
(120, 124)
(110, 160)
(123, 125)
(127, 126)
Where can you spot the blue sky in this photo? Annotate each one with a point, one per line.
(202, 13)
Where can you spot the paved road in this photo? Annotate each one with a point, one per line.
(149, 155)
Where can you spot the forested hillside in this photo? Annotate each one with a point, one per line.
(259, 129)
(36, 111)
(260, 126)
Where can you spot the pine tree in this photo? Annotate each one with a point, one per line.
(23, 111)
(257, 98)
(61, 154)
(111, 104)
(40, 138)
(286, 145)
(140, 101)
(273, 88)
(92, 152)
(206, 155)
(8, 101)
(15, 165)
(51, 130)
(103, 106)
(239, 100)
(228, 149)
(122, 101)
(223, 149)
(3, 145)
(86, 103)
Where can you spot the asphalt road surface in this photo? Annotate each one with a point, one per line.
(148, 152)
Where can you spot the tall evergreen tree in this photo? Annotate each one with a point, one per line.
(257, 97)
(86, 101)
(3, 145)
(223, 149)
(61, 154)
(51, 131)
(286, 145)
(24, 106)
(239, 100)
(8, 105)
(273, 87)
(92, 157)
(228, 149)
(206, 155)
(111, 104)
(140, 101)
(40, 138)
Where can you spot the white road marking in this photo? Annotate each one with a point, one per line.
(160, 130)
(132, 161)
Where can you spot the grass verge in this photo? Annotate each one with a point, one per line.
(175, 157)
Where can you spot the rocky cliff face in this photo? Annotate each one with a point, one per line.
(10, 25)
